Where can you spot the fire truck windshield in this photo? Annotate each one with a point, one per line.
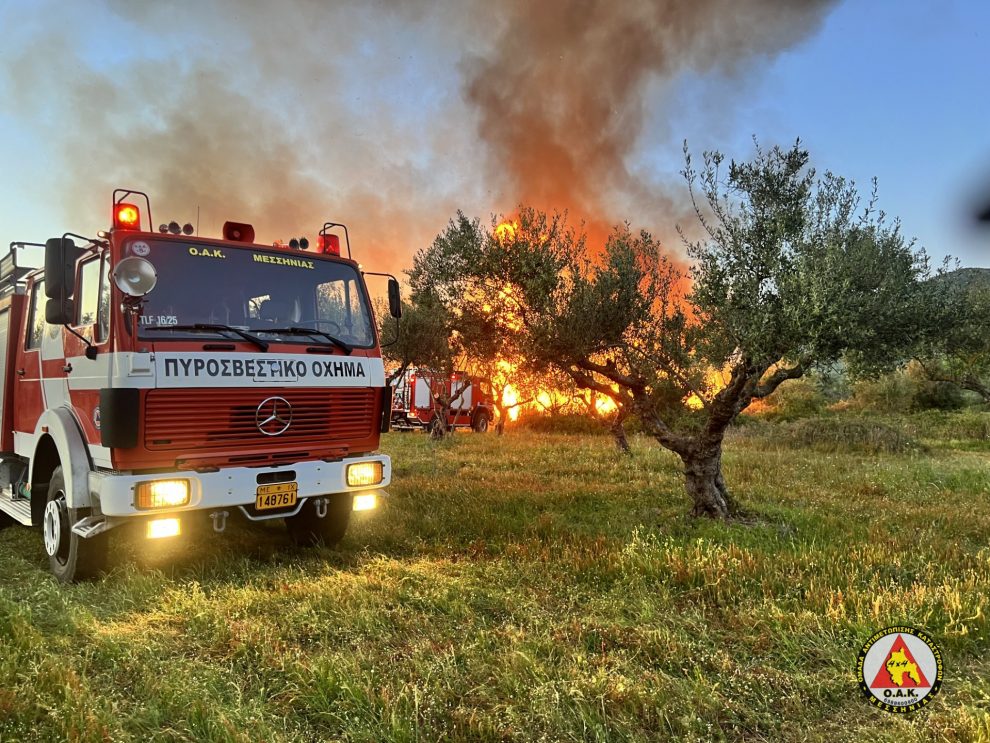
(274, 295)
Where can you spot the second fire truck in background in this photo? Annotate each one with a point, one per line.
(418, 395)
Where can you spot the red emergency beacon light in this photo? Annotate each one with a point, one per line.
(126, 217)
(329, 244)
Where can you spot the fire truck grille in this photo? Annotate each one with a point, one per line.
(221, 418)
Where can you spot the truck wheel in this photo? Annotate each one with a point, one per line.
(70, 557)
(480, 423)
(307, 529)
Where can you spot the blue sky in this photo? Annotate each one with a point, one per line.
(889, 89)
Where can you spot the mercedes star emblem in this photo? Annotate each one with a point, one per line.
(273, 416)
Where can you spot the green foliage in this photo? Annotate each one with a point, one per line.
(424, 336)
(796, 398)
(846, 433)
(793, 266)
(957, 350)
(967, 426)
(566, 423)
(890, 393)
(904, 390)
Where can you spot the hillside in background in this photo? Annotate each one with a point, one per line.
(969, 278)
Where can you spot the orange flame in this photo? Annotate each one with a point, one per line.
(605, 405)
(715, 382)
(510, 398)
(506, 231)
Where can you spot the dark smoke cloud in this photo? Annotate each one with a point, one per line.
(387, 116)
(561, 96)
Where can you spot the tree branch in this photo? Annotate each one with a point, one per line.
(609, 371)
(761, 390)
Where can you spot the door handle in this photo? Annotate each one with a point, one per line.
(67, 368)
(20, 372)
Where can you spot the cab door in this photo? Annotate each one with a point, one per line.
(29, 401)
(86, 376)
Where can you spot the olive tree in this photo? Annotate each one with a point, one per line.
(792, 271)
(957, 350)
(421, 337)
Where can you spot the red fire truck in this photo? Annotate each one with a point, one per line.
(161, 378)
(415, 403)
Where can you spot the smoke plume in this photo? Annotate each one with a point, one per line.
(385, 116)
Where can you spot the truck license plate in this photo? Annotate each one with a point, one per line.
(278, 495)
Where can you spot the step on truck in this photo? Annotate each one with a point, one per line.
(173, 382)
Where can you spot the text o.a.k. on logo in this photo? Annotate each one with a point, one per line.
(900, 669)
(273, 416)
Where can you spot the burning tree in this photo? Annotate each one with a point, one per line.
(512, 386)
(792, 271)
(488, 318)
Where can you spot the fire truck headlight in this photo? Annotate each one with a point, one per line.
(162, 494)
(161, 528)
(365, 502)
(361, 474)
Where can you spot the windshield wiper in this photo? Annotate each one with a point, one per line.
(263, 345)
(297, 330)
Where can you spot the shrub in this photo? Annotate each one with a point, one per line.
(832, 434)
(973, 425)
(907, 389)
(796, 398)
(572, 423)
(849, 434)
(891, 393)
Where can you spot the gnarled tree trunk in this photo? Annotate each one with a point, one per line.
(503, 413)
(439, 424)
(704, 482)
(618, 432)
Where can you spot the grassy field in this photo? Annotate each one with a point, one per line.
(535, 587)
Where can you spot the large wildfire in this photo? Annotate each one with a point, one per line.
(388, 118)
(548, 398)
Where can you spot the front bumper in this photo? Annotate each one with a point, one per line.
(232, 486)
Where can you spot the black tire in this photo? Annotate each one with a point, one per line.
(307, 529)
(70, 557)
(481, 421)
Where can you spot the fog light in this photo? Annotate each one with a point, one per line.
(162, 494)
(360, 474)
(160, 528)
(365, 502)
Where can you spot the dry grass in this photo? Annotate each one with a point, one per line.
(537, 587)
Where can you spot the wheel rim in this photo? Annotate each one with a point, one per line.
(56, 528)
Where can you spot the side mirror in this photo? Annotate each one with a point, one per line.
(394, 299)
(59, 312)
(60, 278)
(60, 267)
